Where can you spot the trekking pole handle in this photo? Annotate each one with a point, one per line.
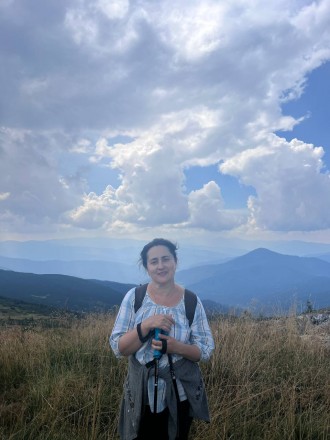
(157, 353)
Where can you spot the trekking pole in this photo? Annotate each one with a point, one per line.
(157, 356)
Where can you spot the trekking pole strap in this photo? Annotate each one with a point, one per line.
(175, 385)
(156, 385)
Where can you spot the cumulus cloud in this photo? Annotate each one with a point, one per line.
(96, 210)
(207, 210)
(32, 189)
(291, 183)
(150, 89)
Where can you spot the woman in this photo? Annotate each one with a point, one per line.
(161, 396)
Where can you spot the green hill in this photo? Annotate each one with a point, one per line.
(61, 291)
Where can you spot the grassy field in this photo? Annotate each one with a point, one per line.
(268, 379)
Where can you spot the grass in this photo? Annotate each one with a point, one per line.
(20, 311)
(268, 379)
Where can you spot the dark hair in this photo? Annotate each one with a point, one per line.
(157, 242)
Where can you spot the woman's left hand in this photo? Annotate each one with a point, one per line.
(171, 343)
(188, 351)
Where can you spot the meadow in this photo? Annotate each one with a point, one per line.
(268, 379)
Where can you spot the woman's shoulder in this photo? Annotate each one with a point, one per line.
(192, 297)
(129, 296)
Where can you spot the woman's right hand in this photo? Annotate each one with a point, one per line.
(163, 322)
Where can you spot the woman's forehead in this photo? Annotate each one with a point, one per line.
(158, 252)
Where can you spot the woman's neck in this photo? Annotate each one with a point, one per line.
(162, 289)
(168, 295)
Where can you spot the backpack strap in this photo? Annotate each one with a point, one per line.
(190, 301)
(140, 293)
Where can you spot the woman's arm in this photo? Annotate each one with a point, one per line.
(188, 351)
(201, 334)
(124, 323)
(129, 343)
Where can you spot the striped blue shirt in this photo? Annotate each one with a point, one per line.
(198, 334)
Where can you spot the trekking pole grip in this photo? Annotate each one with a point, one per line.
(157, 353)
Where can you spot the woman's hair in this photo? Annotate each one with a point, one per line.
(157, 242)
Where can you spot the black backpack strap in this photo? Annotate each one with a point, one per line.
(190, 302)
(140, 293)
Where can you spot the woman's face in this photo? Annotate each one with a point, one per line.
(161, 265)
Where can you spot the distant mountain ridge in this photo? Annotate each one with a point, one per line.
(261, 280)
(102, 270)
(262, 277)
(324, 256)
(23, 255)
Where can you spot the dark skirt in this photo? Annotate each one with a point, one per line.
(155, 426)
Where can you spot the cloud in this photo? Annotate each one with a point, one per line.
(4, 196)
(150, 89)
(207, 211)
(96, 211)
(152, 190)
(98, 68)
(32, 189)
(291, 183)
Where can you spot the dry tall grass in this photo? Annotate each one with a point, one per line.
(267, 380)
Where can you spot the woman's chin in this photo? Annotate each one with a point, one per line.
(162, 279)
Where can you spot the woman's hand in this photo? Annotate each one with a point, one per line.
(130, 342)
(188, 351)
(172, 343)
(163, 322)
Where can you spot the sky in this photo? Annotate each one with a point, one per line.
(195, 119)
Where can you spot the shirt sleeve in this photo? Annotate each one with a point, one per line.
(201, 334)
(124, 322)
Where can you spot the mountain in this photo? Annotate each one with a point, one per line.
(263, 279)
(102, 270)
(105, 249)
(106, 259)
(72, 249)
(42, 293)
(325, 257)
(61, 291)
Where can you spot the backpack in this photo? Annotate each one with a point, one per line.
(190, 301)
